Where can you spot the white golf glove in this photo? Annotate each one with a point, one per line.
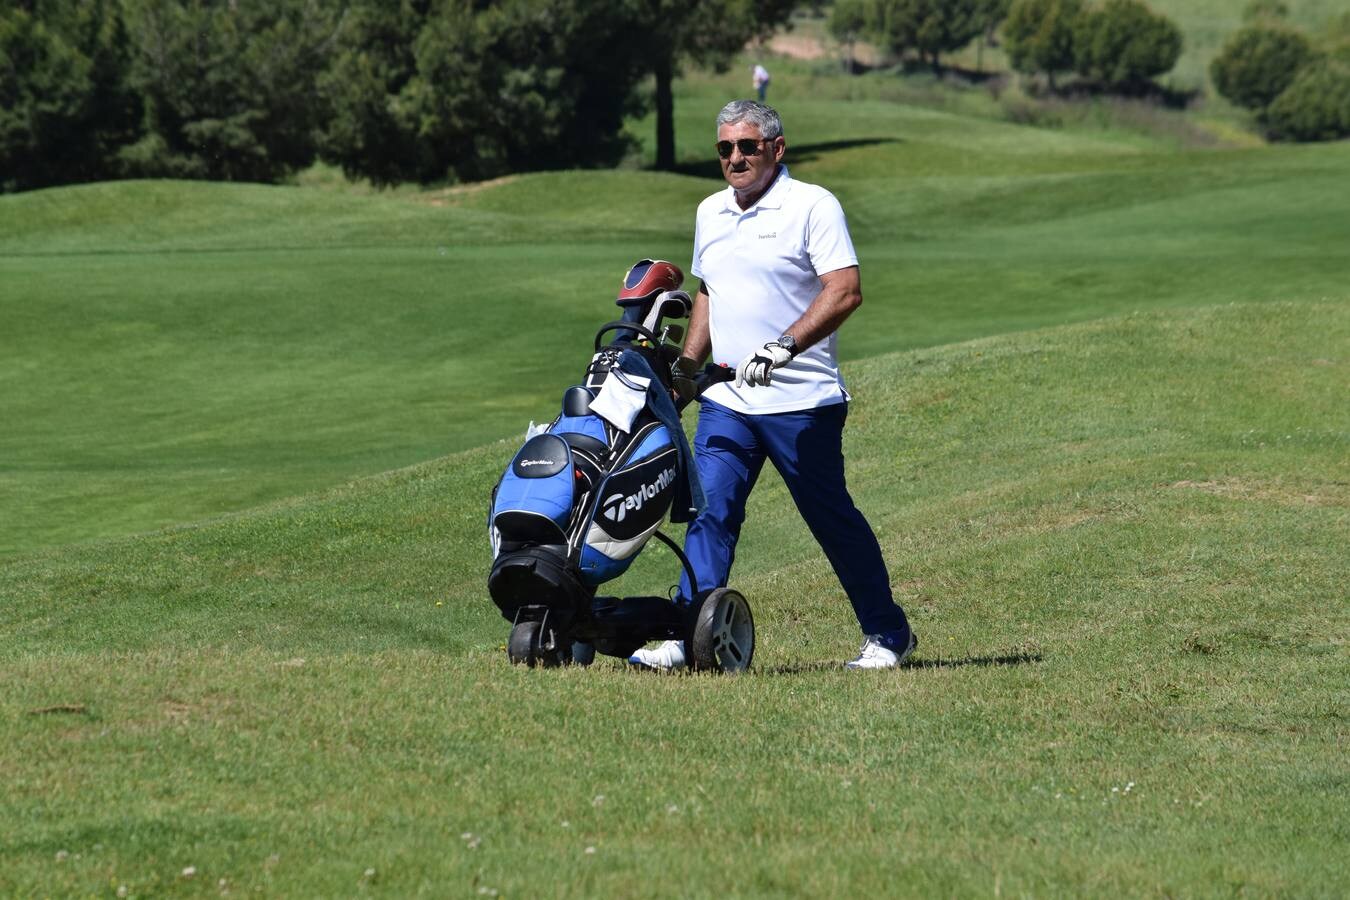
(757, 368)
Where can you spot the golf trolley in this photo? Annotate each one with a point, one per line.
(580, 500)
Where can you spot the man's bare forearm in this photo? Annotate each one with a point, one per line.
(840, 295)
(698, 339)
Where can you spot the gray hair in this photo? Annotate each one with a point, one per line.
(765, 118)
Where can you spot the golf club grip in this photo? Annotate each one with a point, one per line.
(710, 375)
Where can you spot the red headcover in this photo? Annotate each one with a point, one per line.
(647, 278)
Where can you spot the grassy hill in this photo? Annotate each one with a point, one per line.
(177, 350)
(1206, 25)
(1122, 544)
(1100, 429)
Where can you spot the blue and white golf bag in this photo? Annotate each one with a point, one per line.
(580, 501)
(581, 498)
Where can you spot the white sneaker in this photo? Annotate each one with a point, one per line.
(669, 655)
(874, 655)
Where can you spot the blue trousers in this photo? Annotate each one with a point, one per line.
(807, 450)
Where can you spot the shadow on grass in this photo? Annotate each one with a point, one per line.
(1006, 659)
(711, 168)
(1145, 90)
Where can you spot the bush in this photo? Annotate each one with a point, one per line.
(1038, 35)
(928, 27)
(1257, 63)
(848, 19)
(465, 94)
(1315, 106)
(1124, 43)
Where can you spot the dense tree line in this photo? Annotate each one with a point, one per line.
(95, 89)
(392, 90)
(429, 90)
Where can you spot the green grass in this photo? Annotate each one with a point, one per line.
(174, 351)
(1207, 24)
(1122, 544)
(1100, 429)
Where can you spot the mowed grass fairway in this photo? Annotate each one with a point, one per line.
(1122, 544)
(173, 351)
(1100, 427)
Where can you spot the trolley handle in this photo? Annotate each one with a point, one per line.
(690, 387)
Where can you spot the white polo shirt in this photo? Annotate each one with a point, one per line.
(761, 268)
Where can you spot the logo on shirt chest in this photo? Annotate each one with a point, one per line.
(768, 236)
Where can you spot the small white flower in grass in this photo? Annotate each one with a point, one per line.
(1129, 787)
(1115, 790)
(672, 809)
(190, 872)
(566, 824)
(62, 855)
(590, 851)
(368, 873)
(599, 799)
(122, 890)
(471, 840)
(487, 891)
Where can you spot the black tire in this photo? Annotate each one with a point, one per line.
(523, 647)
(723, 638)
(531, 645)
(583, 654)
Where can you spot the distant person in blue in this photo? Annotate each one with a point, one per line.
(760, 76)
(779, 276)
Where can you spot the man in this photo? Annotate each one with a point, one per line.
(779, 276)
(760, 76)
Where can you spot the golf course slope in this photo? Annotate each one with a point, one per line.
(248, 433)
(1122, 543)
(172, 351)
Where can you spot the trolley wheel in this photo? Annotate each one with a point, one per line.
(523, 647)
(583, 653)
(531, 645)
(723, 639)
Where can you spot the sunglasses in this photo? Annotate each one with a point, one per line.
(747, 146)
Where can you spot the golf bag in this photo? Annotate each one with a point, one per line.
(581, 499)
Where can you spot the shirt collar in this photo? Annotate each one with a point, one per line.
(772, 199)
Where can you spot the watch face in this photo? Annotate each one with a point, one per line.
(788, 343)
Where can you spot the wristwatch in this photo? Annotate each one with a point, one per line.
(788, 343)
